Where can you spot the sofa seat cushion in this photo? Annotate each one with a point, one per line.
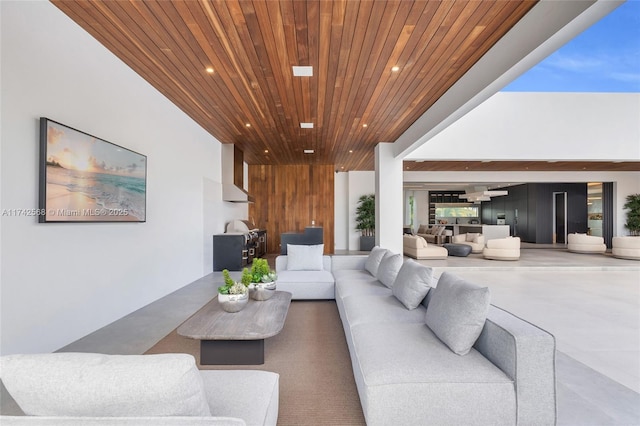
(379, 309)
(413, 368)
(305, 285)
(353, 274)
(84, 384)
(360, 287)
(305, 277)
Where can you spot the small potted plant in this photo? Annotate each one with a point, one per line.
(233, 296)
(263, 280)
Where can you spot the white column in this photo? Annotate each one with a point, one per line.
(389, 198)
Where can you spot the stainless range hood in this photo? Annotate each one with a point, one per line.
(233, 175)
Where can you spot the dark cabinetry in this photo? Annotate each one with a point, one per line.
(442, 197)
(235, 251)
(312, 235)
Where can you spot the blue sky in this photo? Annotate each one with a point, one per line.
(604, 58)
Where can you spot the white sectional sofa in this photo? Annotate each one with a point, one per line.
(149, 390)
(405, 372)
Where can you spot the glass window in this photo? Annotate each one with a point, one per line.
(453, 211)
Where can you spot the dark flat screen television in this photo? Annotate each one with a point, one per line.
(87, 179)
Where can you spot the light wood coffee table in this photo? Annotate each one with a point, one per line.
(236, 338)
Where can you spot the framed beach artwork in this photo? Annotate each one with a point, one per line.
(86, 179)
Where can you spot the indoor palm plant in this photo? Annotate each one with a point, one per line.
(263, 280)
(633, 214)
(366, 221)
(233, 296)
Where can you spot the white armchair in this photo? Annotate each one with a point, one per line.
(475, 240)
(502, 249)
(583, 243)
(166, 389)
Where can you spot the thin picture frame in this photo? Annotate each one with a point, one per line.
(84, 178)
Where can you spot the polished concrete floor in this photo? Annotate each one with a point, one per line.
(591, 303)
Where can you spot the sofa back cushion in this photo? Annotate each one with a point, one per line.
(412, 283)
(374, 259)
(457, 312)
(389, 267)
(305, 257)
(83, 384)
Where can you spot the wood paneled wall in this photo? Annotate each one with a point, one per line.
(288, 198)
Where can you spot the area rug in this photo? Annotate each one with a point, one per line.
(311, 355)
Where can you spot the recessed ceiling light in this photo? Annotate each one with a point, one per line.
(247, 125)
(306, 125)
(209, 70)
(266, 151)
(350, 151)
(395, 69)
(309, 151)
(364, 125)
(305, 71)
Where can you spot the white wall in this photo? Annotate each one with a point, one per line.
(60, 282)
(625, 183)
(349, 186)
(543, 126)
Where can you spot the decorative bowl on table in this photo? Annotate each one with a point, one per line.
(262, 291)
(233, 302)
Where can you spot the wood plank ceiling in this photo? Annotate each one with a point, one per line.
(252, 99)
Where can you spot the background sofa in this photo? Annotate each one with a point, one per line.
(502, 249)
(166, 389)
(475, 240)
(433, 235)
(583, 243)
(417, 247)
(405, 372)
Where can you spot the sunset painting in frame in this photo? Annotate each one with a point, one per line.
(87, 179)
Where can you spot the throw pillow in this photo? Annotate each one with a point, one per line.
(434, 230)
(373, 260)
(412, 283)
(422, 229)
(389, 267)
(441, 230)
(457, 312)
(422, 243)
(471, 236)
(96, 385)
(305, 257)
